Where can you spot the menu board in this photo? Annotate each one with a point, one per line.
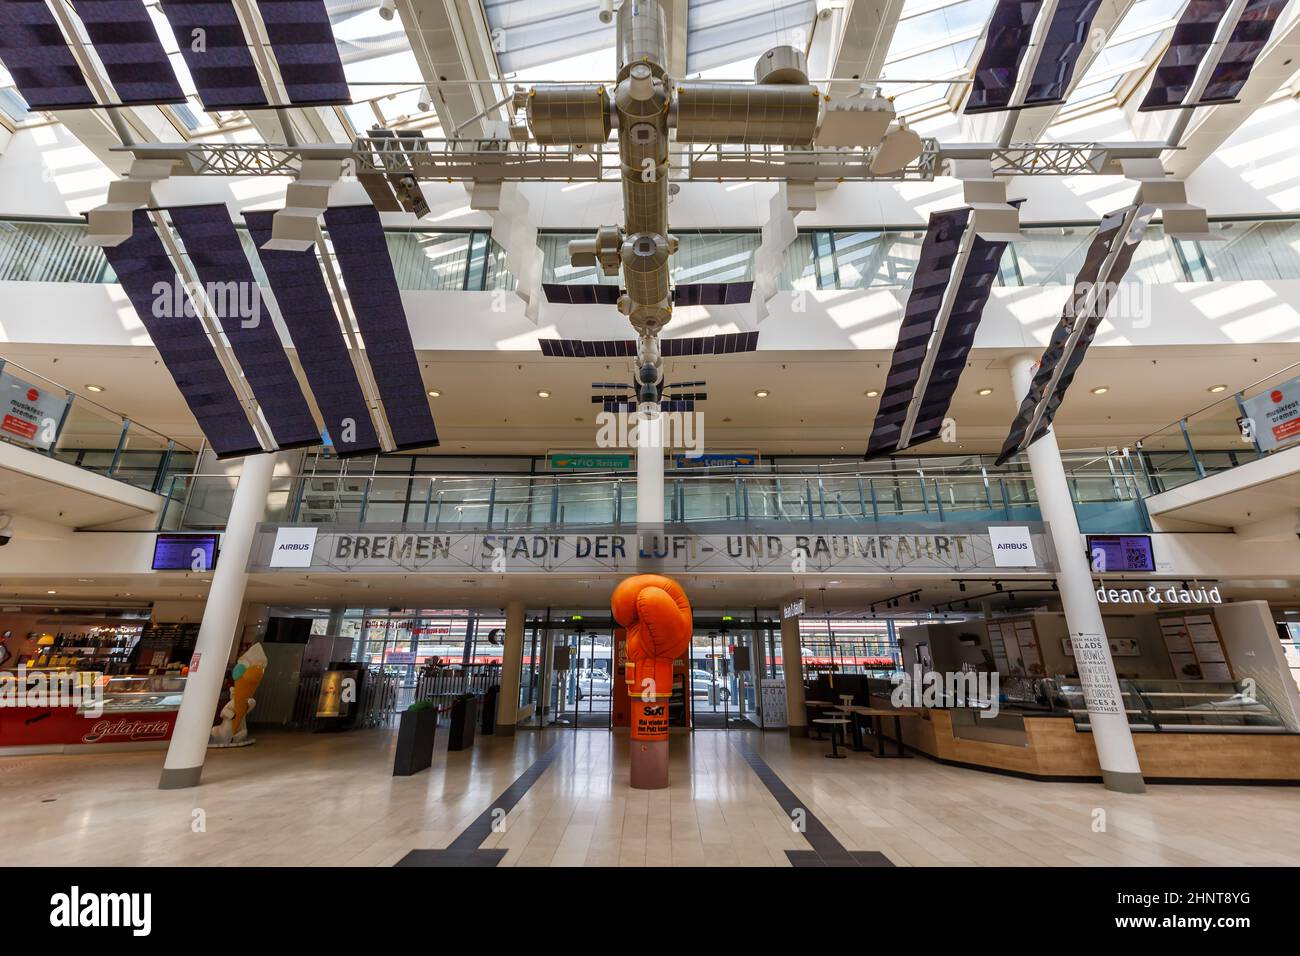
(1195, 648)
(1019, 648)
(1121, 552)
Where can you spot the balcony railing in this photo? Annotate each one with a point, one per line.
(1212, 439)
(1106, 490)
(80, 431)
(470, 260)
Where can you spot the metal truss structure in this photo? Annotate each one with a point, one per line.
(494, 160)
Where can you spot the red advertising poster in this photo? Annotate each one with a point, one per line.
(46, 726)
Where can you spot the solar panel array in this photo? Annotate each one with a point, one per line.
(214, 47)
(1192, 39)
(713, 293)
(218, 258)
(1245, 42)
(361, 249)
(308, 58)
(127, 44)
(1062, 43)
(43, 68)
(1077, 309)
(308, 313)
(1010, 29)
(141, 264)
(581, 294)
(973, 290)
(724, 344)
(938, 254)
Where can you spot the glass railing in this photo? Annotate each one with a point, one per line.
(49, 420)
(1215, 438)
(1107, 494)
(423, 259)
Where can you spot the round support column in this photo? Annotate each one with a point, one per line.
(650, 466)
(512, 662)
(1106, 714)
(796, 715)
(189, 743)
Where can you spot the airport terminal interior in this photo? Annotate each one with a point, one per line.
(783, 433)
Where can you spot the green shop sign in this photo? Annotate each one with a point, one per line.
(579, 462)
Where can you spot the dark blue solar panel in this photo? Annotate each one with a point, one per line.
(214, 46)
(1193, 37)
(308, 314)
(34, 52)
(958, 337)
(219, 262)
(1244, 44)
(1102, 243)
(938, 251)
(151, 283)
(362, 252)
(1061, 46)
(127, 44)
(1010, 29)
(303, 42)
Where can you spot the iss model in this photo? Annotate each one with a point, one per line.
(646, 107)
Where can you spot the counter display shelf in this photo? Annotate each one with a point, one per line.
(138, 713)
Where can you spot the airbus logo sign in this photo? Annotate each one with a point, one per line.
(294, 548)
(1012, 547)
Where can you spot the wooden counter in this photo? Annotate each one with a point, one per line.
(1054, 750)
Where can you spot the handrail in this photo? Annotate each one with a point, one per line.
(1234, 397)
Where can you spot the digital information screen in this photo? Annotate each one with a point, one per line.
(185, 552)
(1121, 552)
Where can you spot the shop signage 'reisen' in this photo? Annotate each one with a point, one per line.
(324, 549)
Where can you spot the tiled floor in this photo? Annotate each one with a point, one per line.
(330, 800)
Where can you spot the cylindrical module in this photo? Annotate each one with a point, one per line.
(642, 36)
(569, 115)
(775, 114)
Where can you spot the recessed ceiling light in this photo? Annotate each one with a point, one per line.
(51, 592)
(762, 393)
(984, 391)
(1101, 390)
(94, 388)
(1216, 389)
(871, 393)
(434, 393)
(543, 393)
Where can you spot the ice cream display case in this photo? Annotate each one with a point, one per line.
(68, 711)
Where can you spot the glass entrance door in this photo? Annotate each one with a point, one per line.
(583, 693)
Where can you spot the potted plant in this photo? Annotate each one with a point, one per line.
(415, 733)
(464, 714)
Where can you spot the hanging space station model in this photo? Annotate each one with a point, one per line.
(645, 109)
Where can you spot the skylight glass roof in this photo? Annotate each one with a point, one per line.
(527, 34)
(933, 41)
(1137, 41)
(723, 33)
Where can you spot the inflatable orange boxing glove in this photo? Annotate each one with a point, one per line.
(657, 616)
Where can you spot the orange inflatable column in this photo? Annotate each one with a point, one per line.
(657, 616)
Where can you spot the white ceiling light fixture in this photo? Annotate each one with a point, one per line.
(983, 392)
(762, 393)
(388, 9)
(94, 388)
(1101, 390)
(1216, 389)
(543, 393)
(434, 393)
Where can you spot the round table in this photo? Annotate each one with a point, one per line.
(833, 722)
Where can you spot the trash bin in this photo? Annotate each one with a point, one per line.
(488, 723)
(415, 736)
(464, 714)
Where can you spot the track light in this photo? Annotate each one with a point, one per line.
(388, 9)
(961, 585)
(606, 11)
(997, 585)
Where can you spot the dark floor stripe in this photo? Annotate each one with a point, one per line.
(464, 850)
(826, 850)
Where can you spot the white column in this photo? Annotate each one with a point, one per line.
(512, 663)
(1106, 716)
(796, 715)
(189, 743)
(650, 466)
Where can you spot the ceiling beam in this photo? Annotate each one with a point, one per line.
(678, 15)
(866, 30)
(452, 43)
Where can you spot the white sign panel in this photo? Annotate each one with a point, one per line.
(1274, 416)
(772, 691)
(1101, 690)
(1012, 547)
(294, 548)
(388, 549)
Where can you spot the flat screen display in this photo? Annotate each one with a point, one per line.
(185, 552)
(1121, 552)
